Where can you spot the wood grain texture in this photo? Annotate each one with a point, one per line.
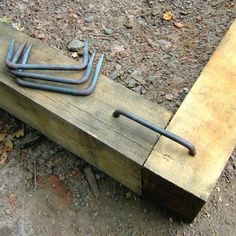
(84, 125)
(207, 118)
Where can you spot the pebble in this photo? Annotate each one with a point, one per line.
(153, 80)
(89, 19)
(35, 8)
(108, 31)
(118, 67)
(97, 176)
(8, 211)
(162, 93)
(75, 45)
(186, 90)
(137, 75)
(169, 97)
(114, 74)
(131, 83)
(165, 45)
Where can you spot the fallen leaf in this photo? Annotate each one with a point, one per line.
(230, 5)
(168, 15)
(12, 199)
(18, 133)
(8, 146)
(3, 158)
(2, 137)
(178, 24)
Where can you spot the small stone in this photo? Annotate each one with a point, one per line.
(186, 90)
(137, 75)
(108, 31)
(118, 67)
(89, 19)
(131, 83)
(74, 55)
(97, 176)
(153, 80)
(114, 74)
(143, 91)
(95, 214)
(162, 93)
(169, 97)
(145, 210)
(75, 45)
(8, 211)
(165, 45)
(41, 36)
(35, 8)
(199, 18)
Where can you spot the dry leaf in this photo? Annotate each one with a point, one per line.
(168, 15)
(179, 24)
(3, 158)
(18, 133)
(2, 137)
(8, 144)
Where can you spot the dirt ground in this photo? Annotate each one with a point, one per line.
(160, 60)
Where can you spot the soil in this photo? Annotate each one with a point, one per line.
(160, 60)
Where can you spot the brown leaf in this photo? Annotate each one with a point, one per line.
(178, 24)
(3, 158)
(12, 199)
(168, 15)
(8, 144)
(18, 133)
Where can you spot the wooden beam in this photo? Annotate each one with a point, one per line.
(207, 118)
(84, 125)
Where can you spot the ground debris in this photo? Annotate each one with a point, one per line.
(168, 15)
(92, 181)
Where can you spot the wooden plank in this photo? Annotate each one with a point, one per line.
(207, 118)
(84, 125)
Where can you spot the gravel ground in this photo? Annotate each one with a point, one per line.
(156, 58)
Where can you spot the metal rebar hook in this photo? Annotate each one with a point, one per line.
(158, 129)
(48, 87)
(23, 74)
(11, 65)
